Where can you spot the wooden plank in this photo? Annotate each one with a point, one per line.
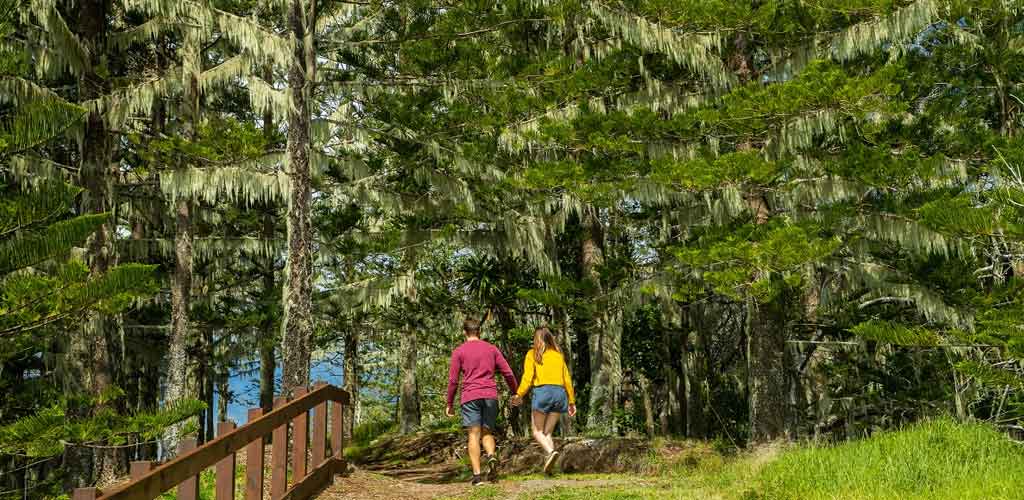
(316, 481)
(337, 429)
(188, 464)
(140, 468)
(224, 488)
(188, 489)
(279, 457)
(300, 440)
(319, 445)
(254, 463)
(88, 493)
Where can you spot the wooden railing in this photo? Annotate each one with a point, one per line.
(148, 482)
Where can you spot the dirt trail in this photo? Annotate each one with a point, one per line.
(435, 482)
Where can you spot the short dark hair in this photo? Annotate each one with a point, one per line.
(471, 325)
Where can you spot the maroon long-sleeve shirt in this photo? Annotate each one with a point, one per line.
(476, 360)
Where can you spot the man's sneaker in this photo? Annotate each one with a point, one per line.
(477, 480)
(548, 462)
(492, 468)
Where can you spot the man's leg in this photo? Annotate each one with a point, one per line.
(539, 421)
(487, 440)
(474, 448)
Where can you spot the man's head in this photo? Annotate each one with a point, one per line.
(471, 327)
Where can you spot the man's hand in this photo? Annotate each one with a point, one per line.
(516, 400)
(448, 411)
(572, 410)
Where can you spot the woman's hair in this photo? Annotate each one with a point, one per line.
(543, 339)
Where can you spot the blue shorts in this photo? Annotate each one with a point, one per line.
(480, 413)
(550, 399)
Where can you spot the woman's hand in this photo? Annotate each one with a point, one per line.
(572, 410)
(448, 411)
(516, 400)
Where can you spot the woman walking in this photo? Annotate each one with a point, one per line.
(545, 371)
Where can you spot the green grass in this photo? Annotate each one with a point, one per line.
(208, 484)
(938, 459)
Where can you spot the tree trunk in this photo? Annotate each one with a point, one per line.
(565, 422)
(297, 325)
(409, 391)
(767, 371)
(268, 326)
(604, 342)
(645, 393)
(351, 379)
(181, 384)
(767, 366)
(674, 420)
(208, 378)
(223, 396)
(518, 419)
(88, 371)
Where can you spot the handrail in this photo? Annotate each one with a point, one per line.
(184, 469)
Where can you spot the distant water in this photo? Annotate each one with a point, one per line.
(244, 384)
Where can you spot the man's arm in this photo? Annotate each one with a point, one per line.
(506, 371)
(453, 377)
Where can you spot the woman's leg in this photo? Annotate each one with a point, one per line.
(549, 426)
(538, 422)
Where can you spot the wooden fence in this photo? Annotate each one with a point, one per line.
(149, 481)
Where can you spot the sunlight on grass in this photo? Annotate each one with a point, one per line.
(937, 459)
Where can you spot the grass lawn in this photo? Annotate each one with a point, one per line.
(938, 459)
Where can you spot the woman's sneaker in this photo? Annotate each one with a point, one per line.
(548, 462)
(477, 480)
(492, 468)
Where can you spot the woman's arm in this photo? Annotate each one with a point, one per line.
(528, 372)
(567, 381)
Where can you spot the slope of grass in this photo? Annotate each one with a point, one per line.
(935, 459)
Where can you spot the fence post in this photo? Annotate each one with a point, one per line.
(189, 488)
(279, 457)
(337, 429)
(225, 483)
(319, 430)
(89, 493)
(254, 462)
(300, 439)
(140, 468)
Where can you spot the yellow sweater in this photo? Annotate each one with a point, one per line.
(552, 371)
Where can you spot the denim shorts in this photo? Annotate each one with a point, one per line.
(480, 413)
(550, 399)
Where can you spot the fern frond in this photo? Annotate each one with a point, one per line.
(895, 333)
(143, 33)
(36, 122)
(72, 55)
(18, 91)
(990, 375)
(37, 435)
(237, 184)
(869, 36)
(697, 52)
(58, 238)
(263, 97)
(118, 106)
(913, 236)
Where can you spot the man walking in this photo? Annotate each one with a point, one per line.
(475, 360)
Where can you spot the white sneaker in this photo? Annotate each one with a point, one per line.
(548, 462)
